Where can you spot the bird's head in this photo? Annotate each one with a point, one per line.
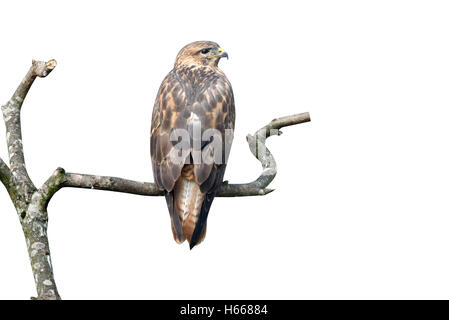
(200, 53)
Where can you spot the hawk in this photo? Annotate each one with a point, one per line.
(191, 134)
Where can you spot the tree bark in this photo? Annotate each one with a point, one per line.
(31, 210)
(31, 203)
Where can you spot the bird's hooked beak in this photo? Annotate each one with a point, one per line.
(223, 54)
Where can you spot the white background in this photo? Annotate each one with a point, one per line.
(361, 203)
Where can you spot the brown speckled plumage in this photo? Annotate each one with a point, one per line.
(195, 86)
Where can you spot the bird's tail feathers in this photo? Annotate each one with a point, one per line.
(191, 207)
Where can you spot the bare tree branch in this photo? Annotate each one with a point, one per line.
(11, 115)
(31, 203)
(60, 179)
(27, 200)
(258, 148)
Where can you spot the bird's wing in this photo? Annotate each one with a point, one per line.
(169, 102)
(215, 109)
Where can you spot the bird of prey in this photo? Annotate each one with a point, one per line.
(194, 100)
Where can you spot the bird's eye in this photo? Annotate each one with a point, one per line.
(205, 51)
